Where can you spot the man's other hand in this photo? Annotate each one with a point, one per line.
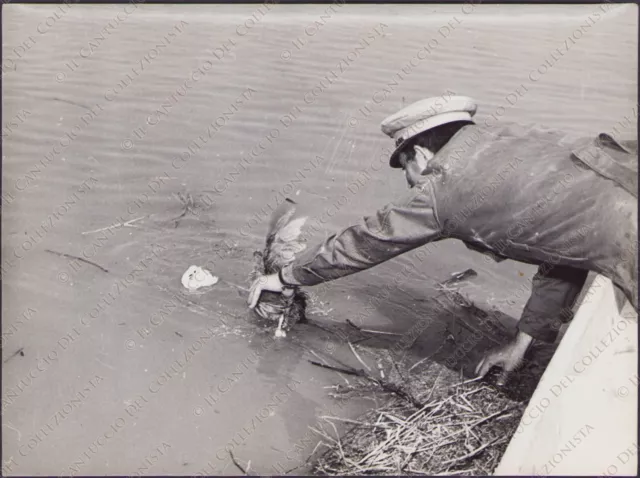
(508, 357)
(271, 283)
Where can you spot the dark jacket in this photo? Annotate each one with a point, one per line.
(535, 195)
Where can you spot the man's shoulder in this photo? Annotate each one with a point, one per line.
(516, 135)
(499, 144)
(505, 129)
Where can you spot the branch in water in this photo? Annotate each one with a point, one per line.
(233, 459)
(70, 256)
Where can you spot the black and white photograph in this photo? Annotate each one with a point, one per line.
(340, 238)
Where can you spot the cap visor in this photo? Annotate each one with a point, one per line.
(394, 159)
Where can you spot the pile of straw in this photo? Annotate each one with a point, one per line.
(433, 422)
(460, 429)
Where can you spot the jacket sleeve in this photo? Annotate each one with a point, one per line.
(395, 229)
(553, 294)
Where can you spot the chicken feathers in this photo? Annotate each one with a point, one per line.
(282, 245)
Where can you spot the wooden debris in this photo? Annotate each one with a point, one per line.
(71, 256)
(459, 277)
(239, 467)
(20, 352)
(121, 224)
(358, 357)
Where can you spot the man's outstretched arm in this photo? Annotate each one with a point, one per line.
(395, 229)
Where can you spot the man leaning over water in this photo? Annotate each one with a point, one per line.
(511, 191)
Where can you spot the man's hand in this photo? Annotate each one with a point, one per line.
(508, 357)
(271, 283)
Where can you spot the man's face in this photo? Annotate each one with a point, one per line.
(414, 162)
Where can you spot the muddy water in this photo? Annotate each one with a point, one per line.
(122, 371)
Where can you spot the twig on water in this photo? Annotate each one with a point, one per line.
(74, 103)
(321, 327)
(323, 359)
(336, 369)
(357, 341)
(369, 331)
(389, 387)
(121, 224)
(380, 332)
(294, 468)
(233, 459)
(358, 357)
(19, 351)
(71, 256)
(189, 206)
(457, 277)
